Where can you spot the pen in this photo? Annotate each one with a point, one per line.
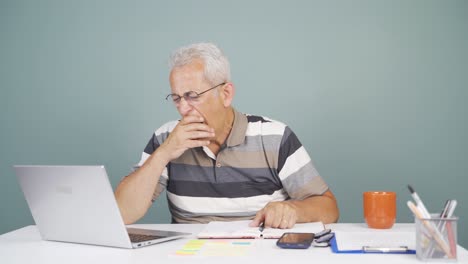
(451, 209)
(384, 249)
(445, 210)
(419, 203)
(431, 228)
(448, 211)
(261, 227)
(451, 238)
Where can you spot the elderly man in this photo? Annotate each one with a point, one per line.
(219, 164)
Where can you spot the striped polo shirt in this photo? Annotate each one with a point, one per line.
(261, 161)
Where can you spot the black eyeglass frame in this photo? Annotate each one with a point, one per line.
(190, 95)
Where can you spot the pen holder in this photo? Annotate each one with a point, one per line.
(436, 238)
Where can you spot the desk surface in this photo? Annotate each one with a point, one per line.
(25, 246)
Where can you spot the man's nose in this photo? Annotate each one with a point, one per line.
(184, 106)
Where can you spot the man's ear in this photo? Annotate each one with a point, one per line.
(228, 92)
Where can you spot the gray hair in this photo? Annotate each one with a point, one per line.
(217, 69)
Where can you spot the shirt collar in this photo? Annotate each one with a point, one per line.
(239, 127)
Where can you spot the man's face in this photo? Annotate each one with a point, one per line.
(190, 78)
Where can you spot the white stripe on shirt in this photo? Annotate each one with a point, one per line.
(294, 163)
(207, 205)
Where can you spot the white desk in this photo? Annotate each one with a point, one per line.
(25, 246)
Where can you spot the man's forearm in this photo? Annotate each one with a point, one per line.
(134, 192)
(317, 208)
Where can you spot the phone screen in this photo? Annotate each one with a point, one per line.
(295, 240)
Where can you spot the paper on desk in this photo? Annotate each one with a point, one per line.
(355, 240)
(241, 229)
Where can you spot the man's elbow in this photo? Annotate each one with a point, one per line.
(332, 216)
(130, 214)
(332, 212)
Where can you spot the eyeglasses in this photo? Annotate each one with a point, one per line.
(189, 96)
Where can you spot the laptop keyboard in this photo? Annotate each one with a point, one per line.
(135, 238)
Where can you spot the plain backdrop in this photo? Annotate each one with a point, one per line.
(375, 90)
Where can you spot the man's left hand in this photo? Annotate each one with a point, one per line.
(277, 215)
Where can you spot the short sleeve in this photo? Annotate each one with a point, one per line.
(296, 170)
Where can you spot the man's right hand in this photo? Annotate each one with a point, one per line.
(190, 132)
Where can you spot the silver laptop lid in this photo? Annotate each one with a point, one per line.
(73, 204)
(77, 204)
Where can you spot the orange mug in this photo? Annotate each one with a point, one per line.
(379, 209)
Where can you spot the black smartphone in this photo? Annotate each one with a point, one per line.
(295, 240)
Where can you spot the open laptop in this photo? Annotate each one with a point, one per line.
(77, 204)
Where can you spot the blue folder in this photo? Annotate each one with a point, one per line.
(334, 248)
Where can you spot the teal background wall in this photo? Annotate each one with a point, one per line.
(375, 90)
